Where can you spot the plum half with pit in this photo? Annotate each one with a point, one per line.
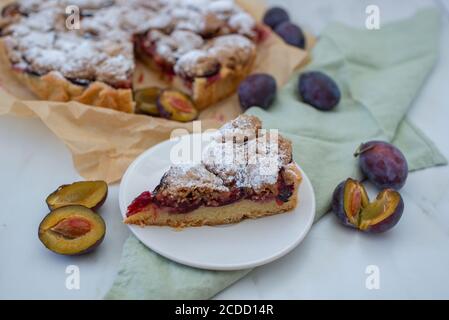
(383, 164)
(72, 230)
(275, 16)
(175, 105)
(257, 90)
(146, 100)
(351, 205)
(348, 200)
(90, 194)
(291, 34)
(319, 90)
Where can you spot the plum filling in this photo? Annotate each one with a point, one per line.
(30, 72)
(125, 84)
(140, 203)
(262, 33)
(21, 68)
(80, 82)
(285, 191)
(214, 78)
(189, 203)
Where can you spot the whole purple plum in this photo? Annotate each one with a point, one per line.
(383, 164)
(319, 90)
(351, 205)
(291, 34)
(257, 90)
(275, 16)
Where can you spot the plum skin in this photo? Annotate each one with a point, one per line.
(275, 16)
(383, 164)
(338, 205)
(291, 34)
(319, 90)
(257, 90)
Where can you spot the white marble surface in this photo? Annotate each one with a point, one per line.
(331, 262)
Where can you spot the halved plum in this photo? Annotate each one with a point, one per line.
(352, 207)
(146, 100)
(72, 230)
(175, 105)
(349, 198)
(383, 213)
(90, 194)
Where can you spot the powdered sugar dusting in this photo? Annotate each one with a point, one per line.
(102, 49)
(173, 46)
(221, 6)
(228, 173)
(242, 22)
(196, 63)
(193, 176)
(244, 157)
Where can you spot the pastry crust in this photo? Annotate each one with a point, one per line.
(54, 87)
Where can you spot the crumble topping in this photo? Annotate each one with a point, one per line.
(197, 63)
(37, 40)
(191, 176)
(187, 187)
(242, 128)
(242, 22)
(253, 160)
(192, 56)
(232, 50)
(256, 168)
(174, 46)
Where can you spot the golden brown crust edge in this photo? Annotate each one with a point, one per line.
(54, 87)
(210, 216)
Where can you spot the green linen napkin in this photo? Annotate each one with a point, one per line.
(379, 72)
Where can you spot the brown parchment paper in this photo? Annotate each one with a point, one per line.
(104, 142)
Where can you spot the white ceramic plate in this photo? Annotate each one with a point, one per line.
(248, 244)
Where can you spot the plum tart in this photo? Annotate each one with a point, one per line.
(245, 172)
(203, 48)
